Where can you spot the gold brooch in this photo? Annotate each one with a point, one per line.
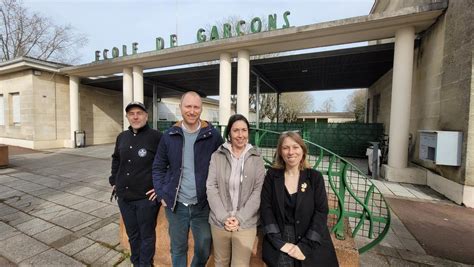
(303, 187)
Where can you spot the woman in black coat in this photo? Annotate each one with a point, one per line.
(294, 210)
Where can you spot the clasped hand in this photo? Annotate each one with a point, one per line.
(294, 251)
(231, 224)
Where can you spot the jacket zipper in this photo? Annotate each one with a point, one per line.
(181, 170)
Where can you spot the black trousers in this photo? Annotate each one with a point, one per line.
(139, 217)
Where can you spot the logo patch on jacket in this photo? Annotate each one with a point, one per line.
(142, 152)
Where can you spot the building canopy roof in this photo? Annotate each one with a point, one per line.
(338, 69)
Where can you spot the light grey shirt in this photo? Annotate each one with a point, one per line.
(187, 191)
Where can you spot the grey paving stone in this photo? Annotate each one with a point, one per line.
(391, 240)
(55, 197)
(105, 212)
(34, 226)
(125, 263)
(10, 194)
(92, 253)
(397, 262)
(51, 257)
(11, 170)
(81, 190)
(6, 231)
(401, 231)
(6, 178)
(69, 200)
(29, 203)
(412, 245)
(21, 247)
(371, 259)
(29, 187)
(87, 224)
(108, 234)
(387, 251)
(6, 263)
(103, 196)
(425, 259)
(72, 219)
(16, 218)
(52, 234)
(44, 192)
(88, 206)
(52, 211)
(112, 258)
(5, 210)
(76, 246)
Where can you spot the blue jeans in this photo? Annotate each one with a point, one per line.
(139, 217)
(183, 217)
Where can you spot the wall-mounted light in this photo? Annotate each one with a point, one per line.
(37, 72)
(304, 71)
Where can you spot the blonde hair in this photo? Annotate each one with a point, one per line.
(279, 163)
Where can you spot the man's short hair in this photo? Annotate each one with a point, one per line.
(189, 93)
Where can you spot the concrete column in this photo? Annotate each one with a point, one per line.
(74, 106)
(401, 97)
(138, 84)
(243, 82)
(127, 93)
(225, 82)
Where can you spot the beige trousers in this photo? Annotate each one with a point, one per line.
(232, 248)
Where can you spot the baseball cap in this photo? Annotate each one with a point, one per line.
(135, 104)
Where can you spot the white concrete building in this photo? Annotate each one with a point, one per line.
(418, 67)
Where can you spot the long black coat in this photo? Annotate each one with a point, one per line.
(310, 216)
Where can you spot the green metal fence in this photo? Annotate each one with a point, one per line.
(344, 139)
(356, 205)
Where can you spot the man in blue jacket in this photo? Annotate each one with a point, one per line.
(179, 177)
(131, 179)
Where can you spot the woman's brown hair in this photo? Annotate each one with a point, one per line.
(279, 162)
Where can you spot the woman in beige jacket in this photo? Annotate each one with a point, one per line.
(234, 183)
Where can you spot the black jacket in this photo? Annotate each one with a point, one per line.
(312, 234)
(131, 162)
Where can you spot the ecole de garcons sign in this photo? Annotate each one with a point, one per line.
(201, 36)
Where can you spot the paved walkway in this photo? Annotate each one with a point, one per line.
(55, 210)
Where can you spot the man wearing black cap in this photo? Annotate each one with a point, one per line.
(131, 179)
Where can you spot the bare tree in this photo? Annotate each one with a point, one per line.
(23, 33)
(356, 103)
(327, 105)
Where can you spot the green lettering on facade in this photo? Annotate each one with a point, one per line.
(200, 36)
(104, 54)
(115, 52)
(227, 30)
(134, 48)
(272, 22)
(239, 27)
(173, 40)
(285, 17)
(214, 34)
(160, 43)
(256, 25)
(124, 50)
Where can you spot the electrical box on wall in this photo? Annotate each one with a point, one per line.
(441, 147)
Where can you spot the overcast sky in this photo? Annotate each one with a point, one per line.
(110, 23)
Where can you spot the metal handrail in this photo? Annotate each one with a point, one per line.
(358, 207)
